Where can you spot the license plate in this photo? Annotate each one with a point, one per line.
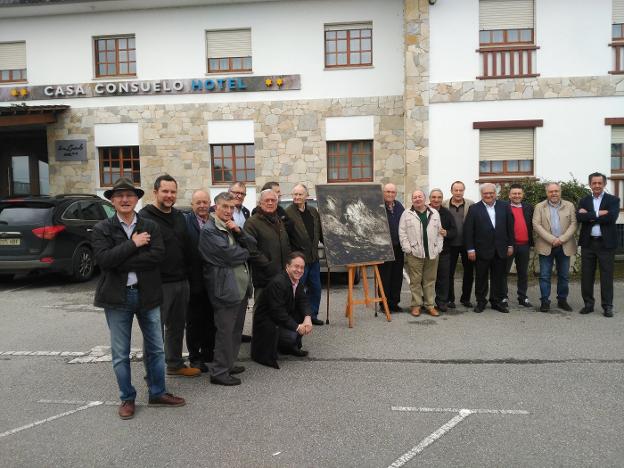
(9, 241)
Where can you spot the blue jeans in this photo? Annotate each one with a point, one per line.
(546, 266)
(311, 280)
(119, 320)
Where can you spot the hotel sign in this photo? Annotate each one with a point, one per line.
(70, 150)
(20, 93)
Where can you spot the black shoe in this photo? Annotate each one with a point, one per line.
(316, 321)
(294, 352)
(396, 309)
(479, 308)
(246, 339)
(525, 302)
(586, 310)
(467, 304)
(563, 305)
(199, 365)
(224, 379)
(442, 307)
(608, 312)
(545, 307)
(451, 305)
(237, 370)
(501, 308)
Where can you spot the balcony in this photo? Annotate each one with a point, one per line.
(508, 62)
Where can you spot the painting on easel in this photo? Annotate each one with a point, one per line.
(355, 225)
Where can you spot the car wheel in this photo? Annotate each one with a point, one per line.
(83, 264)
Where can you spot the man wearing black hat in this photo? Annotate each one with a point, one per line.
(128, 250)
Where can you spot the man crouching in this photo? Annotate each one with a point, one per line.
(282, 315)
(129, 249)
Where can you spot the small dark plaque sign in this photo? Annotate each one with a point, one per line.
(71, 150)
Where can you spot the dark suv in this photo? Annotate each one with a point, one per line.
(50, 233)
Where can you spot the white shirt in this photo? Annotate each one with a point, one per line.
(595, 230)
(239, 217)
(491, 212)
(128, 228)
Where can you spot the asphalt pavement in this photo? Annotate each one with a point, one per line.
(491, 389)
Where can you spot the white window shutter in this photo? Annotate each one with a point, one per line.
(345, 26)
(13, 56)
(617, 134)
(505, 14)
(228, 43)
(506, 144)
(618, 11)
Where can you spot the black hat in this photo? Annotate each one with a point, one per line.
(123, 183)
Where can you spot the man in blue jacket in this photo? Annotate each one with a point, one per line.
(597, 214)
(128, 250)
(225, 249)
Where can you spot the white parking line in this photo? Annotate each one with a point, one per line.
(91, 404)
(17, 289)
(430, 439)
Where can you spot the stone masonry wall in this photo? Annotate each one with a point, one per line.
(289, 141)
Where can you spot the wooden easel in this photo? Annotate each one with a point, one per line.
(351, 269)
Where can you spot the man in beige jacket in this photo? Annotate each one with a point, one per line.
(554, 225)
(421, 236)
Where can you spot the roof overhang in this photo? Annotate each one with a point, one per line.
(20, 115)
(26, 8)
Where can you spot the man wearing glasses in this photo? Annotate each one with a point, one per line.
(240, 215)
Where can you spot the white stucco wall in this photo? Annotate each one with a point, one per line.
(287, 38)
(574, 140)
(572, 35)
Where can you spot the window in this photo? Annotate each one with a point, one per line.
(508, 150)
(229, 50)
(233, 163)
(12, 62)
(119, 161)
(617, 149)
(617, 31)
(506, 38)
(115, 56)
(350, 161)
(348, 45)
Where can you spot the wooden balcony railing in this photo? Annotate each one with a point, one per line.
(508, 62)
(618, 57)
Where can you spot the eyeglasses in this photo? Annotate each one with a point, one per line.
(240, 194)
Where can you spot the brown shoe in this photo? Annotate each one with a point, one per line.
(184, 372)
(415, 311)
(433, 312)
(126, 409)
(166, 399)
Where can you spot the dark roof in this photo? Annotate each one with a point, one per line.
(23, 109)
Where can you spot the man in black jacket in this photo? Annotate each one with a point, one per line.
(305, 235)
(449, 231)
(128, 250)
(391, 273)
(282, 316)
(489, 240)
(200, 328)
(597, 214)
(173, 272)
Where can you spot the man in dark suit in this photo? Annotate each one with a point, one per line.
(489, 240)
(523, 235)
(597, 214)
(200, 329)
(282, 316)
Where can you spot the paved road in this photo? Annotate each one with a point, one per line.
(365, 397)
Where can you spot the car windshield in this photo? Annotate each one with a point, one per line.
(24, 215)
